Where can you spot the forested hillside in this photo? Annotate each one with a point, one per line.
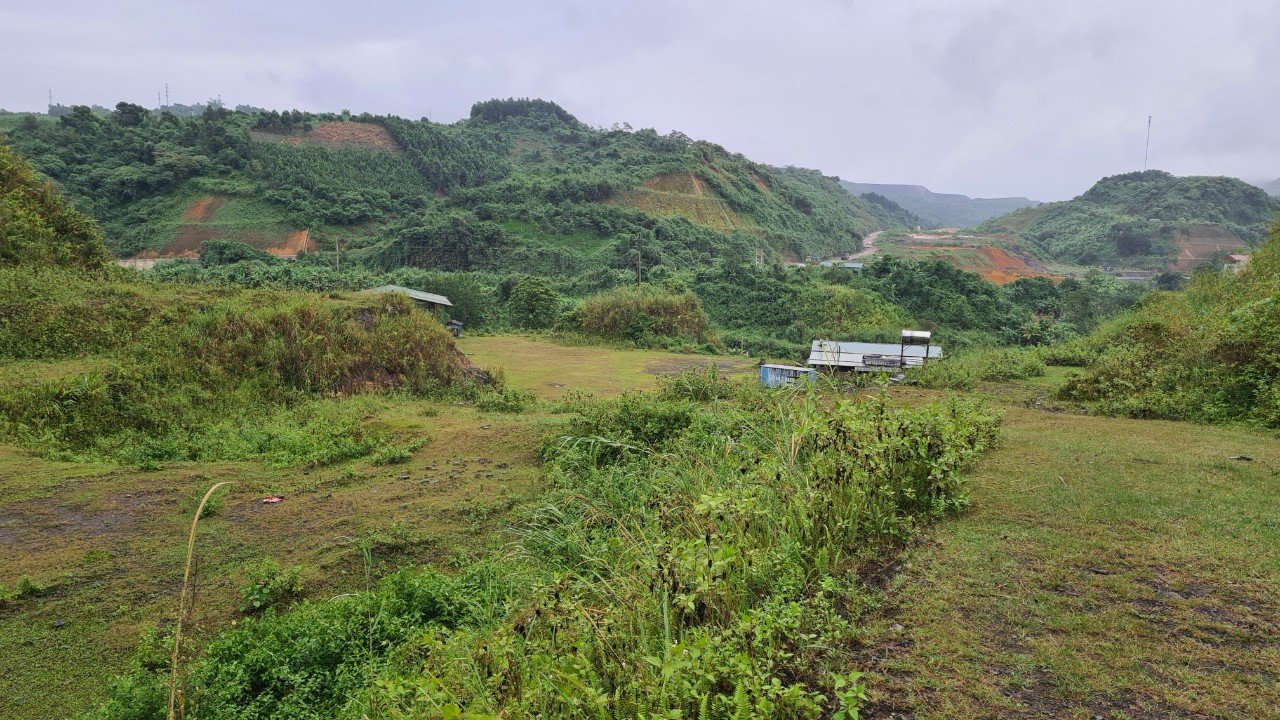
(1210, 353)
(935, 210)
(187, 372)
(521, 184)
(527, 219)
(1148, 219)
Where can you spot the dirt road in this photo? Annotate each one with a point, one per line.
(868, 245)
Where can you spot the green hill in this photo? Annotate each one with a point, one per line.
(1148, 219)
(519, 185)
(936, 210)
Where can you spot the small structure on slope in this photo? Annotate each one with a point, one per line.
(1235, 263)
(431, 301)
(914, 349)
(780, 375)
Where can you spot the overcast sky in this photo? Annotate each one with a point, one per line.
(982, 97)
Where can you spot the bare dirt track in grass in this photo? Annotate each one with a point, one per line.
(1107, 568)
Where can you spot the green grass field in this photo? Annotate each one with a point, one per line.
(1106, 568)
(105, 543)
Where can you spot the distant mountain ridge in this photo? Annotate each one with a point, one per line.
(1273, 187)
(521, 185)
(1146, 219)
(942, 209)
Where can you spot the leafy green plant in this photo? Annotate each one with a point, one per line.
(270, 586)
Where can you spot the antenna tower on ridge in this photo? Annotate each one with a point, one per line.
(1147, 153)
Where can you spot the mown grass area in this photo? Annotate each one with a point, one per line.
(1107, 568)
(551, 370)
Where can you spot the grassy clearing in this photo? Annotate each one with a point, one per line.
(584, 240)
(551, 370)
(106, 543)
(1108, 568)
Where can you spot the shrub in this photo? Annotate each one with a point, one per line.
(959, 372)
(1207, 353)
(697, 385)
(691, 559)
(644, 314)
(533, 304)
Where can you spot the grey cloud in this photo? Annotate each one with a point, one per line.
(985, 97)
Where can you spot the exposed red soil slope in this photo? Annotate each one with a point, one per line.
(1202, 243)
(365, 136)
(197, 227)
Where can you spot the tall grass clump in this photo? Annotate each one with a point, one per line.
(693, 558)
(962, 371)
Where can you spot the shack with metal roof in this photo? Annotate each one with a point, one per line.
(914, 349)
(429, 300)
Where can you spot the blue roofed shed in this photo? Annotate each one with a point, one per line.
(780, 375)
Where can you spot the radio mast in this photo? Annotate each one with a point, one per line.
(1147, 153)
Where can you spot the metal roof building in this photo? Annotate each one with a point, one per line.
(426, 298)
(913, 350)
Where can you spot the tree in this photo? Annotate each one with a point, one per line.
(533, 304)
(130, 115)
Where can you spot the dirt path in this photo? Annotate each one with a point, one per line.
(868, 245)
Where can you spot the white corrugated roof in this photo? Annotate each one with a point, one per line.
(415, 294)
(849, 354)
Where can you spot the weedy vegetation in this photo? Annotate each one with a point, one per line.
(698, 554)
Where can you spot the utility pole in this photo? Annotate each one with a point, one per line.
(639, 275)
(158, 105)
(166, 94)
(1147, 153)
(337, 246)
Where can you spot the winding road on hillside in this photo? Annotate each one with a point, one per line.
(868, 245)
(868, 248)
